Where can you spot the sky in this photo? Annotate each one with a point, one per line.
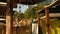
(21, 7)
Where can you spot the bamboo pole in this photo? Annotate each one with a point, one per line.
(47, 20)
(9, 16)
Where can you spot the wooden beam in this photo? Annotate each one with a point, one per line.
(47, 21)
(9, 17)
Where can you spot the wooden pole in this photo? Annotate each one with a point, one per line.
(9, 16)
(39, 26)
(47, 21)
(17, 30)
(3, 32)
(14, 3)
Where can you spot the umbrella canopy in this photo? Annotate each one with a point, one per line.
(25, 1)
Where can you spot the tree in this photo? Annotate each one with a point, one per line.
(17, 17)
(30, 13)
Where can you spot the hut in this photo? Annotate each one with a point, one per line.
(51, 11)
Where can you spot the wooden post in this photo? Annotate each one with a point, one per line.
(9, 16)
(3, 32)
(14, 3)
(47, 20)
(17, 30)
(39, 26)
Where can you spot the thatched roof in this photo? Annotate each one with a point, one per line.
(52, 3)
(54, 7)
(25, 1)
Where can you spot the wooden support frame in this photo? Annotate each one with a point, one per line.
(9, 17)
(47, 20)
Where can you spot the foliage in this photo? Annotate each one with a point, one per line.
(18, 15)
(31, 13)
